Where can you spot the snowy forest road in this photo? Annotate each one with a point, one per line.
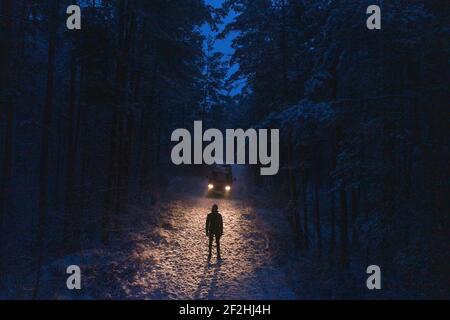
(163, 255)
(183, 272)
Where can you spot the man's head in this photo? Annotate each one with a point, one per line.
(215, 208)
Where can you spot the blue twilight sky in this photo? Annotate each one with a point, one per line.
(224, 45)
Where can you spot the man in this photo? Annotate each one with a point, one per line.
(214, 228)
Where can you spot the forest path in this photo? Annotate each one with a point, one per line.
(161, 251)
(181, 269)
(170, 261)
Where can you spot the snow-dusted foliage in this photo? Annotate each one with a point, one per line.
(364, 137)
(86, 119)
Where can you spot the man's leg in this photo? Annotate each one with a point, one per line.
(218, 246)
(211, 239)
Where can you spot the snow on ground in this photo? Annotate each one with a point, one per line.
(181, 270)
(166, 257)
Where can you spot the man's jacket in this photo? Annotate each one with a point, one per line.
(214, 224)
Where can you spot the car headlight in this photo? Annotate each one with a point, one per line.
(210, 186)
(228, 188)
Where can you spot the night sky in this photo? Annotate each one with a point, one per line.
(224, 45)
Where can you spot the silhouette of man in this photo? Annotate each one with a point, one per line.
(214, 228)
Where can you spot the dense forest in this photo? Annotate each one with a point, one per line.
(365, 118)
(365, 121)
(86, 118)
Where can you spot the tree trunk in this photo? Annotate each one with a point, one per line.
(318, 221)
(333, 225)
(284, 52)
(71, 160)
(111, 181)
(144, 178)
(344, 228)
(305, 209)
(125, 160)
(46, 123)
(334, 147)
(112, 199)
(355, 194)
(388, 187)
(293, 202)
(6, 111)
